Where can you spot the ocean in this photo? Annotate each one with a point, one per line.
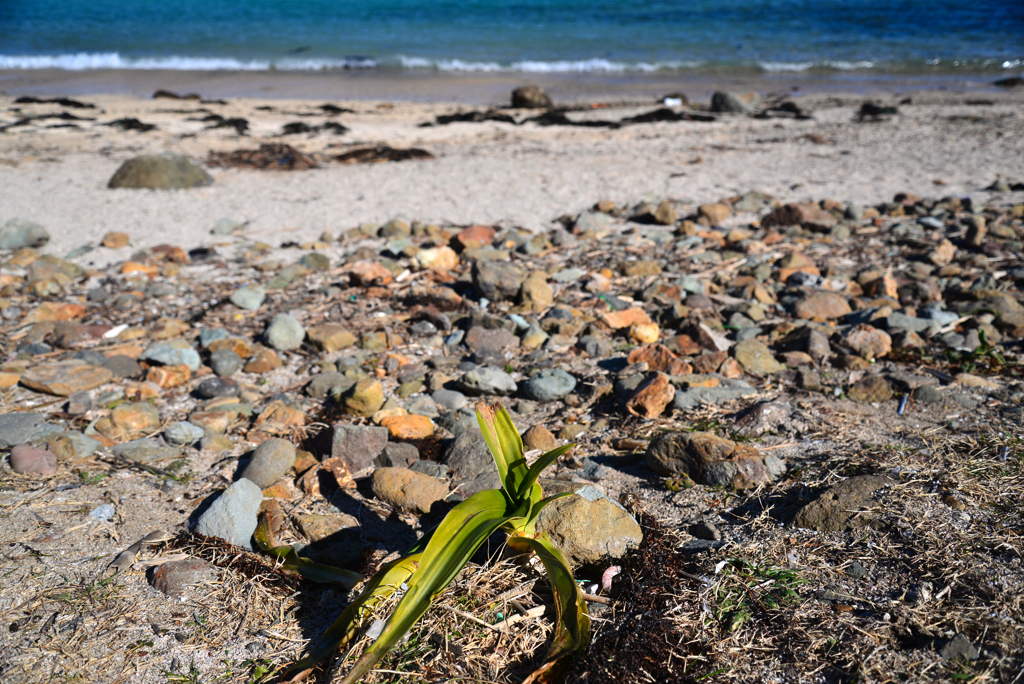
(744, 37)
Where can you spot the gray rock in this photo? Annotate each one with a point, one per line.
(358, 446)
(144, 450)
(232, 516)
(928, 395)
(330, 383)
(17, 233)
(459, 421)
(208, 336)
(225, 362)
(269, 462)
(227, 226)
(734, 103)
(549, 385)
(249, 297)
(695, 396)
(398, 455)
(183, 433)
(471, 464)
(939, 316)
(284, 333)
(436, 470)
(122, 366)
(168, 354)
(449, 399)
(17, 428)
(498, 280)
(898, 321)
(159, 172)
(217, 387)
(960, 647)
(487, 380)
(590, 528)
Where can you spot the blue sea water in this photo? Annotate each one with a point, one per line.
(898, 36)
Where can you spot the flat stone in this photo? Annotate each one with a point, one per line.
(590, 528)
(159, 172)
(232, 515)
(183, 433)
(408, 490)
(135, 416)
(539, 437)
(29, 460)
(357, 446)
(64, 378)
(17, 428)
(249, 297)
(487, 380)
(145, 450)
(496, 340)
(173, 353)
(712, 460)
(408, 427)
(549, 385)
(755, 357)
(330, 337)
(822, 305)
(271, 460)
(263, 361)
(870, 388)
(284, 333)
(843, 507)
(172, 577)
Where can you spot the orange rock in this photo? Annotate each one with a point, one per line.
(685, 345)
(166, 328)
(235, 344)
(329, 337)
(141, 391)
(264, 361)
(409, 427)
(652, 397)
(51, 311)
(8, 380)
(369, 272)
(278, 416)
(169, 376)
(141, 269)
(475, 237)
(115, 240)
(132, 351)
(644, 333)
(699, 380)
(135, 416)
(624, 319)
(730, 368)
(214, 421)
(339, 471)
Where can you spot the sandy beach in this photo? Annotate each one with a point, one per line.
(55, 171)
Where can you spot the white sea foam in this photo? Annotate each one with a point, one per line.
(112, 60)
(804, 66)
(540, 66)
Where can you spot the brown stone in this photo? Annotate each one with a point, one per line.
(683, 344)
(539, 437)
(115, 240)
(169, 376)
(659, 358)
(166, 328)
(369, 272)
(214, 421)
(870, 388)
(29, 460)
(822, 306)
(264, 361)
(712, 460)
(868, 341)
(409, 427)
(942, 254)
(731, 369)
(715, 213)
(136, 416)
(651, 398)
(498, 340)
(235, 344)
(278, 416)
(624, 319)
(64, 378)
(807, 215)
(846, 506)
(709, 363)
(407, 490)
(50, 311)
(330, 337)
(172, 577)
(319, 527)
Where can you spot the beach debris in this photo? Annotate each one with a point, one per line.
(131, 124)
(381, 153)
(297, 127)
(734, 103)
(872, 111)
(171, 95)
(268, 157)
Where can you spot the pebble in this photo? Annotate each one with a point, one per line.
(449, 399)
(174, 353)
(29, 460)
(284, 333)
(232, 515)
(17, 428)
(408, 490)
(487, 380)
(549, 385)
(365, 398)
(225, 362)
(64, 378)
(271, 460)
(250, 297)
(590, 528)
(144, 450)
(183, 433)
(102, 513)
(174, 576)
(217, 387)
(709, 459)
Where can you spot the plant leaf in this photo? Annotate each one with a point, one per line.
(505, 445)
(572, 627)
(538, 467)
(293, 562)
(456, 539)
(346, 628)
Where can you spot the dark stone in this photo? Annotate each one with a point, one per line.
(358, 446)
(712, 460)
(472, 464)
(159, 172)
(840, 507)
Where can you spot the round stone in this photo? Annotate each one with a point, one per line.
(217, 387)
(250, 297)
(285, 333)
(183, 433)
(549, 385)
(225, 362)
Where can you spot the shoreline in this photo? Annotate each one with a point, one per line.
(478, 88)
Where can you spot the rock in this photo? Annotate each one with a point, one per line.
(19, 233)
(498, 280)
(766, 416)
(734, 103)
(284, 333)
(173, 353)
(436, 258)
(166, 377)
(122, 366)
(536, 294)
(115, 240)
(697, 396)
(357, 446)
(144, 450)
(408, 427)
(822, 306)
(263, 361)
(705, 530)
(271, 460)
(227, 226)
(959, 647)
(183, 433)
(225, 362)
(63, 378)
(868, 342)
(870, 388)
(398, 455)
(539, 437)
(172, 577)
(330, 337)
(549, 385)
(942, 254)
(644, 333)
(232, 516)
(756, 357)
(407, 490)
(450, 399)
(590, 528)
(79, 403)
(487, 380)
(665, 215)
(159, 172)
(17, 428)
(616, 320)
(711, 460)
(495, 340)
(809, 216)
(330, 383)
(928, 395)
(140, 416)
(652, 397)
(249, 297)
(714, 214)
(900, 321)
(29, 460)
(471, 464)
(843, 507)
(531, 97)
(365, 398)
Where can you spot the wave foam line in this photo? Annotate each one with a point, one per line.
(112, 60)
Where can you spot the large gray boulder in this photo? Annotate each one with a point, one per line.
(160, 172)
(232, 516)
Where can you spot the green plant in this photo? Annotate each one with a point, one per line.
(744, 588)
(429, 569)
